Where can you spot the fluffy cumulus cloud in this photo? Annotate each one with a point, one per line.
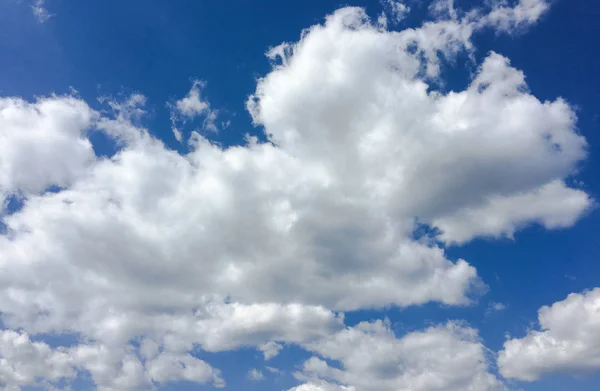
(172, 367)
(372, 121)
(43, 144)
(448, 357)
(149, 254)
(23, 362)
(568, 341)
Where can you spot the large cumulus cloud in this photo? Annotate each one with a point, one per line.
(148, 254)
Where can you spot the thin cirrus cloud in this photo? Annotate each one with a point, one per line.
(152, 253)
(40, 12)
(255, 375)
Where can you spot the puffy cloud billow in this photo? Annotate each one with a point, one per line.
(568, 341)
(149, 254)
(447, 357)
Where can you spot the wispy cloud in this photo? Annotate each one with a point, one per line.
(40, 11)
(255, 375)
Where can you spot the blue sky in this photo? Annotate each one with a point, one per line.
(97, 55)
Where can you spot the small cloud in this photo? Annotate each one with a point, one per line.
(225, 124)
(126, 114)
(495, 307)
(209, 121)
(190, 107)
(270, 349)
(382, 21)
(513, 18)
(192, 104)
(131, 108)
(40, 12)
(255, 375)
(177, 134)
(275, 371)
(396, 11)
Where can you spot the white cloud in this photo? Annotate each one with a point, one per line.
(448, 357)
(568, 341)
(270, 349)
(111, 368)
(261, 245)
(273, 370)
(168, 367)
(226, 327)
(553, 205)
(40, 12)
(495, 307)
(177, 134)
(190, 107)
(355, 122)
(509, 18)
(136, 217)
(504, 16)
(43, 143)
(396, 9)
(255, 375)
(321, 386)
(24, 362)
